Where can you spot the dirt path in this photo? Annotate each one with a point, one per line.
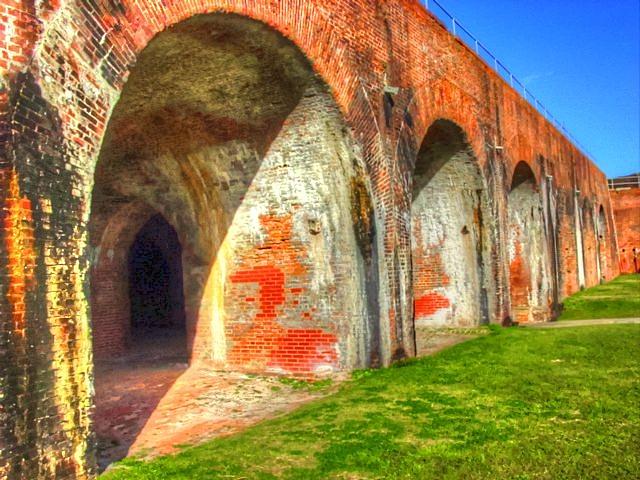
(432, 340)
(148, 410)
(151, 404)
(585, 323)
(204, 404)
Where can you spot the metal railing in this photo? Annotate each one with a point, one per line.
(630, 181)
(459, 31)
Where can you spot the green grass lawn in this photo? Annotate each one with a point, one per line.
(619, 298)
(516, 404)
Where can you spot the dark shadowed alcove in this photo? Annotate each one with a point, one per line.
(155, 287)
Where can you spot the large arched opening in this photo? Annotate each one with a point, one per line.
(578, 228)
(450, 225)
(231, 220)
(528, 252)
(602, 233)
(155, 288)
(590, 244)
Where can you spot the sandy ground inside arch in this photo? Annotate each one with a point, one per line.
(152, 404)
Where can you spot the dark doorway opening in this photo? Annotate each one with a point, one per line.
(129, 386)
(156, 290)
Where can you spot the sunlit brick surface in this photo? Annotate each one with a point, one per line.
(626, 209)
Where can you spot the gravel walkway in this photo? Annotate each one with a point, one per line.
(584, 323)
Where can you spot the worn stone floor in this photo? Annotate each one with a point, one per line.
(127, 391)
(151, 402)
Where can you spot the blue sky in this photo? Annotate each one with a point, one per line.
(579, 57)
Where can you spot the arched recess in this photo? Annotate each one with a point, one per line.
(602, 233)
(528, 248)
(450, 232)
(113, 235)
(578, 227)
(224, 129)
(590, 244)
(137, 281)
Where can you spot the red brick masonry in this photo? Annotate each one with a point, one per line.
(626, 211)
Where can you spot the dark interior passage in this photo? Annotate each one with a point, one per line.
(155, 284)
(130, 386)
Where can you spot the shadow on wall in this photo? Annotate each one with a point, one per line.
(450, 237)
(529, 268)
(45, 344)
(224, 133)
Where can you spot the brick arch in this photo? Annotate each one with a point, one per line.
(522, 172)
(108, 278)
(530, 282)
(265, 304)
(138, 23)
(424, 104)
(110, 238)
(120, 34)
(451, 231)
(440, 100)
(82, 91)
(521, 149)
(270, 144)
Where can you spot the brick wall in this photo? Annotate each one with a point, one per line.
(262, 182)
(287, 173)
(626, 211)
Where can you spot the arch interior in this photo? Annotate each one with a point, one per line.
(530, 284)
(226, 140)
(450, 231)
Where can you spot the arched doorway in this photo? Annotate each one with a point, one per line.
(449, 232)
(590, 244)
(602, 233)
(578, 227)
(155, 289)
(528, 252)
(227, 144)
